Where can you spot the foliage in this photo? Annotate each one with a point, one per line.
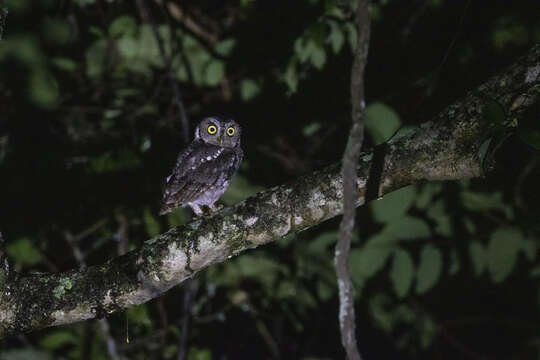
(89, 129)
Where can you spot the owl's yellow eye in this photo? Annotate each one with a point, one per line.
(230, 131)
(212, 129)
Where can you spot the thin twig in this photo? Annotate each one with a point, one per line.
(350, 161)
(191, 24)
(3, 16)
(190, 290)
(167, 60)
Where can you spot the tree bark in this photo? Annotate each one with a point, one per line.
(347, 322)
(446, 148)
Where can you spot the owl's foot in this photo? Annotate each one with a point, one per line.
(214, 207)
(196, 209)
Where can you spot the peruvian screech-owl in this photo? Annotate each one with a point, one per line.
(205, 168)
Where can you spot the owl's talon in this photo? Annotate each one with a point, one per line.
(196, 209)
(214, 207)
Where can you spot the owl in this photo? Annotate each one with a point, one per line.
(205, 168)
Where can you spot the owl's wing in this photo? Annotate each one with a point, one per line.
(198, 169)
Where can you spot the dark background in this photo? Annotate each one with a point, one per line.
(89, 130)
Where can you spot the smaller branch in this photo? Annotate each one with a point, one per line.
(191, 24)
(112, 348)
(191, 287)
(167, 60)
(351, 156)
(122, 233)
(3, 17)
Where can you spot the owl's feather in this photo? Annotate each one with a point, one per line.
(201, 175)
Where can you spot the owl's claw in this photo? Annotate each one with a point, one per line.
(214, 207)
(196, 209)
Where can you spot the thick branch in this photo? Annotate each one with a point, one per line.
(445, 148)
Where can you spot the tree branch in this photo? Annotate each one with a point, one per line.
(446, 148)
(351, 156)
(167, 60)
(3, 17)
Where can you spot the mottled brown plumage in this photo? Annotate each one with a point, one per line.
(205, 168)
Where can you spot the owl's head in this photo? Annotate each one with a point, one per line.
(220, 132)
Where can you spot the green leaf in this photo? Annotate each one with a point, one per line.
(393, 205)
(225, 47)
(23, 251)
(127, 47)
(320, 244)
(124, 160)
(336, 37)
(64, 64)
(56, 31)
(286, 290)
(318, 57)
(428, 331)
(249, 89)
(429, 270)
(44, 89)
(479, 257)
(123, 25)
(149, 52)
(303, 49)
(502, 252)
(215, 72)
(407, 228)
(170, 351)
(402, 273)
(311, 129)
(325, 291)
(455, 263)
(199, 354)
(139, 315)
(150, 223)
(95, 56)
(58, 339)
(426, 194)
(529, 248)
(24, 354)
(262, 269)
(378, 308)
(438, 213)
(353, 35)
(371, 258)
(381, 122)
(483, 202)
(177, 217)
(290, 77)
